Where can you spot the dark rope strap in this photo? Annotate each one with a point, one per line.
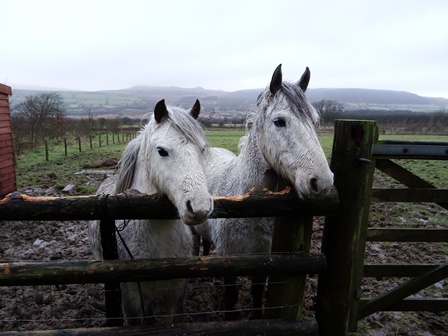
(128, 251)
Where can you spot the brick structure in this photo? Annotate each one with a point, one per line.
(7, 164)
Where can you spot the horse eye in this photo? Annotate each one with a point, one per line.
(162, 151)
(279, 122)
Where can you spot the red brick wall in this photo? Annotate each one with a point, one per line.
(7, 167)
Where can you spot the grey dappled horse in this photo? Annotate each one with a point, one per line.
(166, 158)
(282, 144)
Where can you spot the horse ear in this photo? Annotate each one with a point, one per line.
(276, 81)
(196, 109)
(160, 111)
(304, 80)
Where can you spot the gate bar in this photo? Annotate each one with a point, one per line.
(401, 292)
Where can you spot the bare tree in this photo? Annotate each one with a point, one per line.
(329, 110)
(43, 113)
(113, 125)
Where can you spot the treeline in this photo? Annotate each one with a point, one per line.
(40, 118)
(406, 122)
(62, 128)
(396, 122)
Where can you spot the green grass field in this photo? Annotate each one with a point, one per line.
(33, 169)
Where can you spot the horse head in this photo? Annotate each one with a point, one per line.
(174, 154)
(286, 126)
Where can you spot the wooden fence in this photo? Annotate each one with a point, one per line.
(102, 140)
(341, 304)
(356, 153)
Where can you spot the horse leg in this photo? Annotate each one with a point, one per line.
(258, 284)
(206, 246)
(132, 305)
(230, 298)
(196, 241)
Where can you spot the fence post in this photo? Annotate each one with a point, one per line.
(99, 139)
(345, 231)
(112, 289)
(65, 146)
(90, 139)
(291, 234)
(79, 143)
(46, 150)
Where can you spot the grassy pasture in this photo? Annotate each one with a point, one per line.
(32, 169)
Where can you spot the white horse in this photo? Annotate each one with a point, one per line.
(166, 158)
(281, 143)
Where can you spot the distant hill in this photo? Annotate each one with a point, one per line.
(138, 100)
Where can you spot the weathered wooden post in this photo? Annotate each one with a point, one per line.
(65, 146)
(345, 231)
(46, 151)
(110, 252)
(291, 235)
(79, 144)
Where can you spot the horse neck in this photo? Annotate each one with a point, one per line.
(251, 164)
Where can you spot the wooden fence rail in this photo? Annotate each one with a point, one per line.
(94, 271)
(134, 205)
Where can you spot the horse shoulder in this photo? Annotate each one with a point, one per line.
(219, 158)
(217, 164)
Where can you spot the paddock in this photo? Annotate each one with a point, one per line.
(340, 266)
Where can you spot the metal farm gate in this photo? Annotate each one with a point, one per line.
(340, 266)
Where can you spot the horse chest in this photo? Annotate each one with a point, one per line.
(157, 239)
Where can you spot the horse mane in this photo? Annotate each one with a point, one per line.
(126, 165)
(180, 120)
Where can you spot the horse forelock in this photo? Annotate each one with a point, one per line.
(299, 103)
(183, 123)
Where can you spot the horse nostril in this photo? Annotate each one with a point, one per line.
(189, 207)
(314, 185)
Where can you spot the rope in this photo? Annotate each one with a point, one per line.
(118, 231)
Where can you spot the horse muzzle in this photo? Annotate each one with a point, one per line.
(197, 214)
(315, 186)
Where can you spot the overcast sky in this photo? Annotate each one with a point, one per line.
(227, 45)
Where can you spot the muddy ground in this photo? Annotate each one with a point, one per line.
(72, 306)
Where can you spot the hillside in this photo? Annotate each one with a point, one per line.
(138, 100)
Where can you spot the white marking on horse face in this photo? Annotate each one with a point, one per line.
(291, 147)
(178, 172)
